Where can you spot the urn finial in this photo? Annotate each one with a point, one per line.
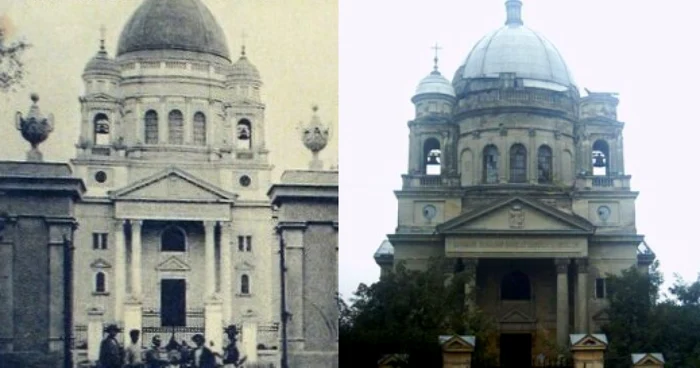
(315, 137)
(35, 128)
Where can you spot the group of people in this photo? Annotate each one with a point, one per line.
(175, 355)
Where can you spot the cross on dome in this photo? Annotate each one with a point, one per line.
(435, 59)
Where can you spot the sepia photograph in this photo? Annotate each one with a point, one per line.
(169, 183)
(517, 185)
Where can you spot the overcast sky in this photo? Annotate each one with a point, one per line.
(647, 51)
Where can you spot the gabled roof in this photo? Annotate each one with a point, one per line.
(588, 341)
(557, 220)
(457, 343)
(648, 359)
(198, 190)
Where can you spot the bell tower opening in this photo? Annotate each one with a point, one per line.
(101, 126)
(432, 156)
(601, 158)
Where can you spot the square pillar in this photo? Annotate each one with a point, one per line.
(250, 341)
(136, 259)
(119, 269)
(294, 259)
(562, 266)
(94, 333)
(225, 270)
(213, 325)
(457, 351)
(209, 265)
(582, 296)
(588, 350)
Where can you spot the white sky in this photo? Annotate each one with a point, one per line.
(647, 51)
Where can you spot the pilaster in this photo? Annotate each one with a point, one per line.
(582, 296)
(294, 241)
(94, 332)
(562, 268)
(136, 258)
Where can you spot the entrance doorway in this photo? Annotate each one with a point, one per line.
(516, 350)
(172, 302)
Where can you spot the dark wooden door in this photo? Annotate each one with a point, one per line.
(173, 302)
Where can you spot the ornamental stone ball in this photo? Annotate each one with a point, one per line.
(35, 128)
(315, 137)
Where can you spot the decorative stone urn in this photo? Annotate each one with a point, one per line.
(315, 137)
(35, 128)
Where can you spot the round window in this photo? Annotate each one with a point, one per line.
(100, 176)
(244, 180)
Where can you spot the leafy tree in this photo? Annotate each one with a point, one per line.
(11, 66)
(404, 313)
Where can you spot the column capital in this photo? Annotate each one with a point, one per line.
(562, 264)
(209, 224)
(581, 265)
(136, 223)
(225, 225)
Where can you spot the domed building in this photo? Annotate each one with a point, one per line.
(519, 181)
(180, 225)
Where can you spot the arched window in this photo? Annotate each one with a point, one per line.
(518, 164)
(601, 158)
(515, 286)
(175, 127)
(151, 127)
(100, 282)
(432, 156)
(245, 285)
(173, 239)
(244, 135)
(544, 164)
(101, 126)
(490, 168)
(199, 131)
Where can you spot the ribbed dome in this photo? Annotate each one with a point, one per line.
(435, 83)
(517, 49)
(243, 69)
(102, 64)
(173, 25)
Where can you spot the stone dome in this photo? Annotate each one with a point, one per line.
(101, 64)
(185, 25)
(515, 48)
(435, 83)
(243, 69)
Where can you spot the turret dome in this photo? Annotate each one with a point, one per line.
(435, 83)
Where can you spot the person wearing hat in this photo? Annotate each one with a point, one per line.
(156, 356)
(110, 351)
(202, 356)
(232, 357)
(133, 351)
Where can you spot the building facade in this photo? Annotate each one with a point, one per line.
(177, 232)
(519, 180)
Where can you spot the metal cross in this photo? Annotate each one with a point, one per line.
(436, 48)
(243, 37)
(103, 32)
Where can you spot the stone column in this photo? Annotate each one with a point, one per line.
(294, 252)
(132, 317)
(470, 266)
(136, 258)
(226, 270)
(582, 295)
(209, 265)
(213, 327)
(562, 266)
(163, 136)
(94, 333)
(119, 269)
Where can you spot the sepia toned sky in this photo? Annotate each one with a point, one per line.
(293, 44)
(647, 51)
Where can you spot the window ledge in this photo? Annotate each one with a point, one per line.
(103, 293)
(244, 295)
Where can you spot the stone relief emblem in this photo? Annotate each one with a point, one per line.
(516, 217)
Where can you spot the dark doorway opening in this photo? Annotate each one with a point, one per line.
(516, 350)
(172, 302)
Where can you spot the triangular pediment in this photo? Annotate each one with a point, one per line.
(457, 343)
(100, 263)
(173, 264)
(649, 359)
(391, 359)
(517, 215)
(516, 316)
(588, 341)
(173, 184)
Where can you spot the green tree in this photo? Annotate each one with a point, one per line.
(404, 313)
